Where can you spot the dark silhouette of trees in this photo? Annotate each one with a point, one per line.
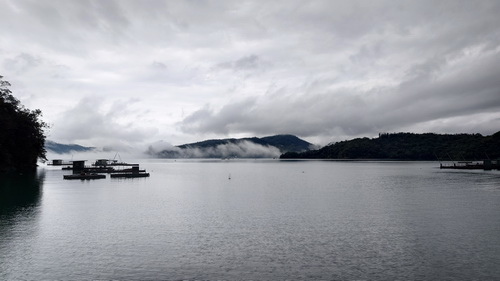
(22, 139)
(410, 146)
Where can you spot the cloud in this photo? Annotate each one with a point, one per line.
(159, 146)
(242, 149)
(458, 87)
(185, 70)
(90, 122)
(205, 120)
(244, 63)
(21, 63)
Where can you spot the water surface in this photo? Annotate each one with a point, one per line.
(272, 220)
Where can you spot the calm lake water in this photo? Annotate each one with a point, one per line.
(273, 220)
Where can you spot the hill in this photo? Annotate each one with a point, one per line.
(60, 148)
(287, 143)
(254, 147)
(409, 146)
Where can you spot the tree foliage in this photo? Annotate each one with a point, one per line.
(22, 138)
(410, 146)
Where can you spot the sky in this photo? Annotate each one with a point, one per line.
(124, 74)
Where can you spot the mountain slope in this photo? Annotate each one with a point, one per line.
(287, 143)
(60, 148)
(409, 146)
(266, 147)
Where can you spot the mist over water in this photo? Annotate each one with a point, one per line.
(161, 149)
(242, 149)
(272, 220)
(91, 156)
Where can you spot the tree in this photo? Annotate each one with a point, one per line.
(22, 139)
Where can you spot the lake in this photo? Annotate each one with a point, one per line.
(254, 220)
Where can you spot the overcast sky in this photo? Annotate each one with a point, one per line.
(129, 73)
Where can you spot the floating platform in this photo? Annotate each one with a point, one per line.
(104, 166)
(99, 170)
(84, 177)
(108, 162)
(60, 162)
(129, 175)
(111, 170)
(127, 171)
(473, 165)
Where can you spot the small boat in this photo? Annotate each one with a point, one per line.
(84, 176)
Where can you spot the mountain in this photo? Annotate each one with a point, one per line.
(409, 146)
(65, 148)
(254, 147)
(287, 143)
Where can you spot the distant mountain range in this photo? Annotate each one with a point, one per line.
(265, 147)
(60, 148)
(395, 146)
(409, 146)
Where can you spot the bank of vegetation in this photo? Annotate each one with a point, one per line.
(22, 136)
(409, 146)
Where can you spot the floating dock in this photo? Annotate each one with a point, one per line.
(130, 175)
(60, 162)
(108, 162)
(84, 177)
(473, 165)
(103, 166)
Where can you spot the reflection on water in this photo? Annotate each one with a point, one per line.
(20, 194)
(20, 198)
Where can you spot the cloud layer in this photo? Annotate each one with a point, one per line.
(128, 73)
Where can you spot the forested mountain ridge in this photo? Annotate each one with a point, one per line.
(284, 142)
(409, 146)
(254, 147)
(287, 143)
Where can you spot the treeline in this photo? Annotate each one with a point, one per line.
(409, 146)
(22, 136)
(283, 142)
